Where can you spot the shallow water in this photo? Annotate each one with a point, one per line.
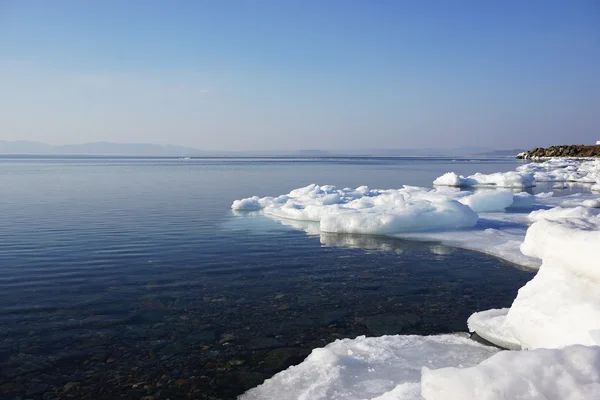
(133, 277)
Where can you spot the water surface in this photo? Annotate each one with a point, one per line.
(132, 277)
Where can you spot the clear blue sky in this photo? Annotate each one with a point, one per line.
(282, 75)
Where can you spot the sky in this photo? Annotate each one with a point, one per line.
(253, 75)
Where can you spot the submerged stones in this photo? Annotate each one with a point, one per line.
(390, 324)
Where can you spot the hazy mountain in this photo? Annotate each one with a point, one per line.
(455, 152)
(145, 149)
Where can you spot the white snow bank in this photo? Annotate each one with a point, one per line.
(365, 211)
(560, 306)
(571, 373)
(510, 179)
(382, 368)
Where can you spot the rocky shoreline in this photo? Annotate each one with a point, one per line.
(577, 150)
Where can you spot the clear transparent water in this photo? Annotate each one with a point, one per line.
(132, 277)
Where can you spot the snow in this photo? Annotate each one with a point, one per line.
(382, 368)
(572, 373)
(555, 316)
(510, 179)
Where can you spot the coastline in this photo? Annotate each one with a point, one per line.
(578, 151)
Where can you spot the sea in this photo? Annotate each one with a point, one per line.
(132, 277)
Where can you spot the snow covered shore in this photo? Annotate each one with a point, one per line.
(556, 316)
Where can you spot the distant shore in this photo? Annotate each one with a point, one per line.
(576, 150)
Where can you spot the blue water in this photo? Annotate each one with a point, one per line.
(132, 277)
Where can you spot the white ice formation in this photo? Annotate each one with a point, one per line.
(570, 373)
(504, 180)
(555, 316)
(560, 306)
(377, 368)
(564, 170)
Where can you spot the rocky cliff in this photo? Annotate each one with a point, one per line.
(576, 150)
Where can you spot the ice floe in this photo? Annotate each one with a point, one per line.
(510, 179)
(366, 211)
(471, 220)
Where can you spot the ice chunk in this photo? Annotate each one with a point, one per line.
(414, 217)
(387, 367)
(491, 326)
(591, 203)
(558, 213)
(249, 204)
(570, 373)
(564, 170)
(510, 179)
(366, 211)
(522, 200)
(488, 201)
(560, 306)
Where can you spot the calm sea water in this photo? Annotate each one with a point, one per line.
(132, 277)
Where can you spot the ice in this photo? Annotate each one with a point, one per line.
(510, 179)
(491, 326)
(558, 213)
(438, 214)
(489, 201)
(497, 234)
(560, 306)
(365, 211)
(564, 170)
(383, 368)
(572, 373)
(523, 200)
(583, 199)
(444, 215)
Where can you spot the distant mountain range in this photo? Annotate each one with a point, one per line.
(145, 149)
